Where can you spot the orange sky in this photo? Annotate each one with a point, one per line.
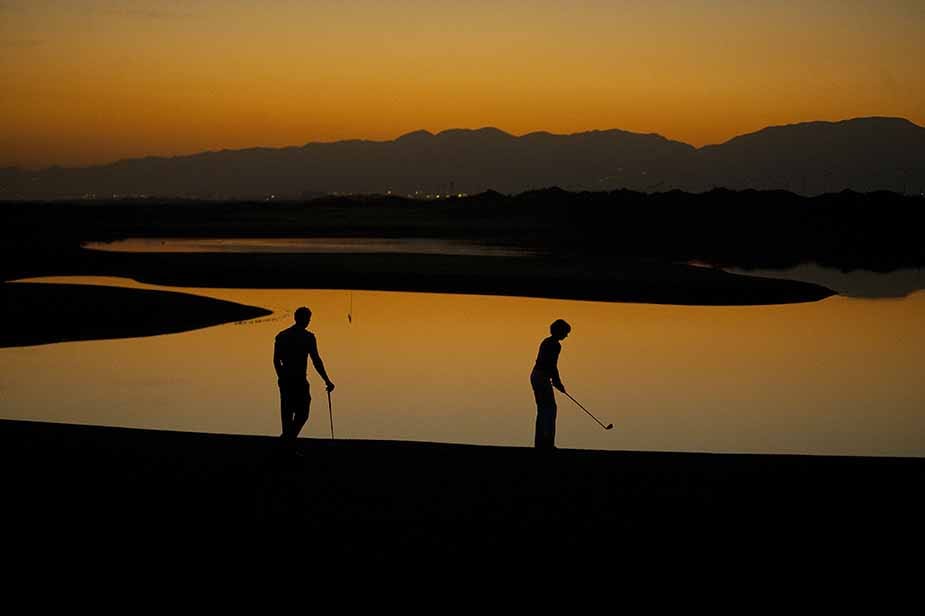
(91, 81)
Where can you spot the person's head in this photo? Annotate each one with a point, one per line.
(560, 329)
(302, 316)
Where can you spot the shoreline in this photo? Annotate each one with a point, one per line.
(563, 277)
(596, 247)
(46, 313)
(33, 313)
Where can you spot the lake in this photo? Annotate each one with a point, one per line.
(311, 245)
(838, 376)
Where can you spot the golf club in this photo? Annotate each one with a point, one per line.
(607, 427)
(331, 415)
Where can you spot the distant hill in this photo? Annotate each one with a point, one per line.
(864, 154)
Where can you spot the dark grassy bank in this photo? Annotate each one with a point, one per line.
(597, 246)
(549, 277)
(438, 495)
(877, 231)
(617, 246)
(44, 313)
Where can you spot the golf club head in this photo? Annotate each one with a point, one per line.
(609, 427)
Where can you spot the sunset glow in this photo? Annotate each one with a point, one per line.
(93, 81)
(464, 362)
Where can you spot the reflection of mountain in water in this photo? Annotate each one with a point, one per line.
(854, 283)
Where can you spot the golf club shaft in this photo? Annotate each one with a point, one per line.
(584, 409)
(331, 415)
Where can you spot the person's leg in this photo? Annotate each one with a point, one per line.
(301, 408)
(538, 398)
(551, 427)
(545, 435)
(285, 411)
(545, 427)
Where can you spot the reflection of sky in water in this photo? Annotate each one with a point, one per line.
(320, 245)
(839, 376)
(856, 283)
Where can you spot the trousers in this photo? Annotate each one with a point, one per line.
(545, 435)
(294, 403)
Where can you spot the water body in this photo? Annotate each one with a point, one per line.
(853, 283)
(318, 245)
(838, 376)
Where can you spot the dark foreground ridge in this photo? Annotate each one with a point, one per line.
(40, 313)
(582, 499)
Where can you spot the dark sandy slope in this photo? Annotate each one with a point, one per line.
(451, 499)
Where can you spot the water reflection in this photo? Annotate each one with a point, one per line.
(854, 283)
(318, 245)
(839, 376)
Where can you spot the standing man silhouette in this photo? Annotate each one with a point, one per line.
(291, 350)
(544, 377)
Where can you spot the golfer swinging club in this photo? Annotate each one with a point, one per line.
(544, 377)
(291, 351)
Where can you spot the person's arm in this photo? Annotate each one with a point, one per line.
(319, 365)
(277, 359)
(556, 381)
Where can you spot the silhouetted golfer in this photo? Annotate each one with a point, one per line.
(544, 377)
(291, 351)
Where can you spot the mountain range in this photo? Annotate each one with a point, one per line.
(863, 154)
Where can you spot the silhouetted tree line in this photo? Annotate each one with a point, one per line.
(879, 231)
